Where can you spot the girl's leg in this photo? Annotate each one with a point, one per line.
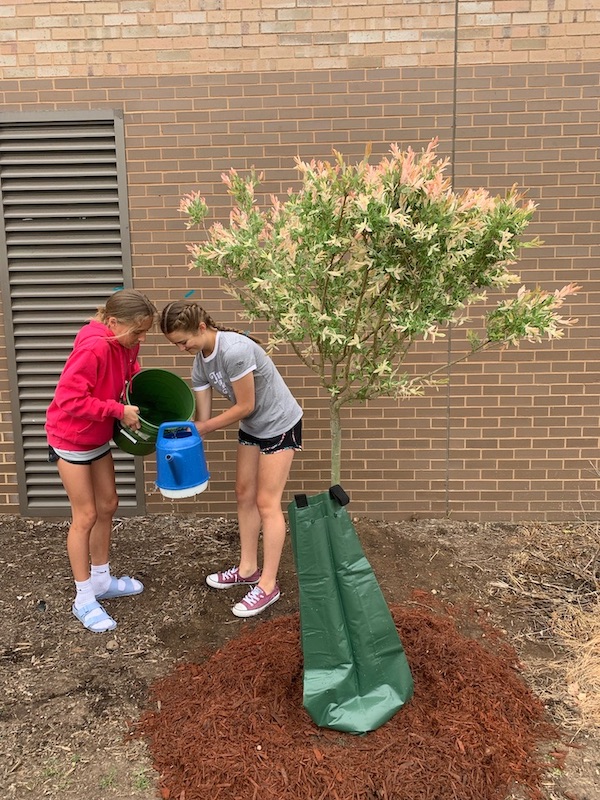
(88, 506)
(77, 480)
(246, 484)
(107, 501)
(273, 471)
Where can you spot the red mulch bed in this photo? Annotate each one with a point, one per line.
(234, 728)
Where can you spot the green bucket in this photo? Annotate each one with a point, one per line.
(161, 397)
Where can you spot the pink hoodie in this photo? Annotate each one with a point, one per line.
(88, 395)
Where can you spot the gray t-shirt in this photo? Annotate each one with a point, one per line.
(235, 355)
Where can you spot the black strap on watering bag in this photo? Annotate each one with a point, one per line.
(337, 493)
(356, 675)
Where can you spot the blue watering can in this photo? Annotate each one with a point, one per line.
(180, 464)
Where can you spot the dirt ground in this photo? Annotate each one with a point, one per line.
(67, 695)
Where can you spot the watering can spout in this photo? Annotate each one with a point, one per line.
(175, 463)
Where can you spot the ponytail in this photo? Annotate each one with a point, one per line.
(128, 306)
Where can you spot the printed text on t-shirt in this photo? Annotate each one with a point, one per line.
(217, 381)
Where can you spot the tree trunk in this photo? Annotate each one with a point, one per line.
(336, 441)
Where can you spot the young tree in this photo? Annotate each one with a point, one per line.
(364, 260)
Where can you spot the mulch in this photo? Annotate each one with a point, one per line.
(234, 727)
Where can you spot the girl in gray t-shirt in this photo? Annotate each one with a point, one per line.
(270, 425)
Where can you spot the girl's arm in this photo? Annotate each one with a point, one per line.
(75, 390)
(203, 404)
(243, 407)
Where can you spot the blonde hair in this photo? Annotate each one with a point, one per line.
(127, 306)
(187, 316)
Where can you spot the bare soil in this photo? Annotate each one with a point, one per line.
(68, 696)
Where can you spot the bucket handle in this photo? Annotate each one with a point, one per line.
(123, 430)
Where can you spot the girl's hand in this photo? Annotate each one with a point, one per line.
(201, 428)
(131, 417)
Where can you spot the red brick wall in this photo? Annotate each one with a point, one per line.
(514, 435)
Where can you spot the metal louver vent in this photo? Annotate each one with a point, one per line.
(64, 248)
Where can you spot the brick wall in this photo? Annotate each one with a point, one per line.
(209, 85)
(105, 38)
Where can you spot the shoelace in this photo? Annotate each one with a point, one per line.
(253, 596)
(229, 573)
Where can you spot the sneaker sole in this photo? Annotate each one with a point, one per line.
(253, 612)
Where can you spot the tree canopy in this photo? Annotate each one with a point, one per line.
(364, 260)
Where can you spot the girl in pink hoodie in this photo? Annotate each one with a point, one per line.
(79, 427)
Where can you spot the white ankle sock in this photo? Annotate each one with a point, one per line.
(85, 593)
(100, 578)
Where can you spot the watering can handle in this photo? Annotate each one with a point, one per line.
(179, 424)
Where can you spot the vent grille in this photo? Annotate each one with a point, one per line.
(65, 249)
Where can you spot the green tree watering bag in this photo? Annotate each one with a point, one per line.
(356, 675)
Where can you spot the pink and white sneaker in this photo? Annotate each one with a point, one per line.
(256, 601)
(231, 577)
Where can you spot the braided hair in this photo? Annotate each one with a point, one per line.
(187, 316)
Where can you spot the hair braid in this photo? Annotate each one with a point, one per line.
(187, 316)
